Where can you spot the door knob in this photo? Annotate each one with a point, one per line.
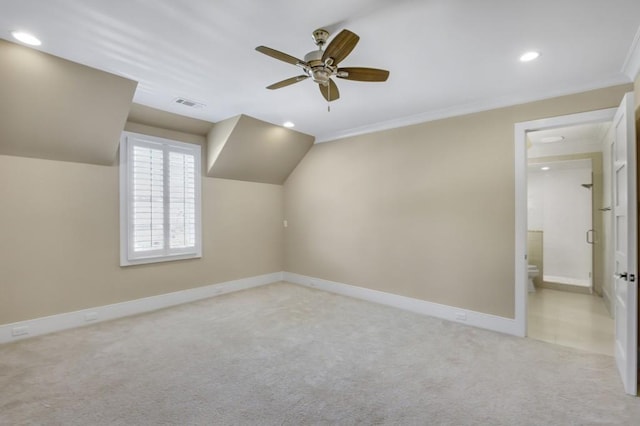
(621, 276)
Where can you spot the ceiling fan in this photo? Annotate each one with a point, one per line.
(321, 65)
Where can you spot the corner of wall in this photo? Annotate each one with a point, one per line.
(422, 307)
(636, 87)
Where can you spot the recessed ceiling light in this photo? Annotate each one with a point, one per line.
(26, 38)
(545, 168)
(288, 124)
(552, 139)
(529, 56)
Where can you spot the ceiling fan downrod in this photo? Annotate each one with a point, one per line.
(320, 37)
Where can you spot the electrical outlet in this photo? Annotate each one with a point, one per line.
(20, 331)
(90, 316)
(461, 316)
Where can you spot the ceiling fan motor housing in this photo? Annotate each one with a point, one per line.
(319, 71)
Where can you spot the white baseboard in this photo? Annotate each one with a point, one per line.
(463, 316)
(45, 325)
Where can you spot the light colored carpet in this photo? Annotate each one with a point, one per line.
(288, 355)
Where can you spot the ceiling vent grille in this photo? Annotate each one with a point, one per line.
(189, 103)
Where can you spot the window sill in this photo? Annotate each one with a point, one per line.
(159, 259)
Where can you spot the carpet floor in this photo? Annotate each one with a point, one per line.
(288, 355)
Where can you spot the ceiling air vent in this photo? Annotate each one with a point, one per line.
(189, 103)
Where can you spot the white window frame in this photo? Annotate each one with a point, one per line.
(127, 257)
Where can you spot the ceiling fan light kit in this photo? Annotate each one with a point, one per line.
(320, 65)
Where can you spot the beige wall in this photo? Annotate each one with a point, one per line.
(59, 250)
(637, 97)
(425, 211)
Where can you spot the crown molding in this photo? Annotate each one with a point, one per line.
(470, 108)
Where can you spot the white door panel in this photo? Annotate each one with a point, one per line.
(625, 243)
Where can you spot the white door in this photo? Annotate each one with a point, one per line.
(625, 244)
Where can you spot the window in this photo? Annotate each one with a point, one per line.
(159, 200)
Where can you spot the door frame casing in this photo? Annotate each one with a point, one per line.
(520, 136)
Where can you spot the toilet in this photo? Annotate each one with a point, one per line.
(533, 272)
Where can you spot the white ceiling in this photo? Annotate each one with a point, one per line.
(577, 139)
(559, 165)
(446, 57)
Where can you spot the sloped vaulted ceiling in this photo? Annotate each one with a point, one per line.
(55, 109)
(245, 148)
(60, 110)
(239, 148)
(148, 116)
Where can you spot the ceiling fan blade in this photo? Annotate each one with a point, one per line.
(340, 46)
(329, 91)
(288, 81)
(363, 74)
(279, 55)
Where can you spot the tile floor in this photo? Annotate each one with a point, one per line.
(571, 319)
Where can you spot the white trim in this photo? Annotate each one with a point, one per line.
(631, 65)
(520, 160)
(124, 215)
(607, 301)
(625, 254)
(54, 323)
(450, 313)
(470, 108)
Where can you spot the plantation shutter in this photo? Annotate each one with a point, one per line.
(182, 201)
(160, 200)
(147, 198)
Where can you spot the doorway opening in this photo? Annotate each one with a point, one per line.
(521, 196)
(567, 234)
(624, 207)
